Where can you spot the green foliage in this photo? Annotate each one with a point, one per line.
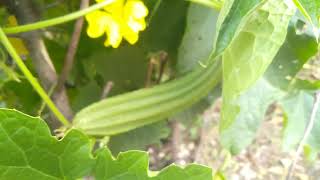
(30, 152)
(139, 138)
(133, 165)
(230, 18)
(311, 10)
(278, 84)
(253, 105)
(197, 42)
(292, 56)
(297, 108)
(243, 65)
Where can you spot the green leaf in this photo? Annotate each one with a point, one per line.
(250, 53)
(197, 42)
(307, 85)
(297, 108)
(297, 112)
(311, 10)
(253, 106)
(293, 55)
(282, 73)
(272, 87)
(30, 152)
(133, 165)
(231, 15)
(138, 139)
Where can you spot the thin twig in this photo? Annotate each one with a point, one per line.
(150, 69)
(163, 57)
(176, 140)
(106, 90)
(72, 49)
(157, 64)
(305, 135)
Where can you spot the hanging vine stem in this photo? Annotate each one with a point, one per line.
(72, 49)
(55, 21)
(4, 40)
(306, 134)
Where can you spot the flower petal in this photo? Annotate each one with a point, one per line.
(136, 24)
(136, 8)
(97, 20)
(113, 32)
(114, 8)
(131, 36)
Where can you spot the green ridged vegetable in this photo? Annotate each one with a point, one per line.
(129, 111)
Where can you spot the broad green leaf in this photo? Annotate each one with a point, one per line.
(30, 152)
(138, 139)
(197, 42)
(311, 10)
(133, 165)
(297, 112)
(289, 61)
(297, 108)
(253, 105)
(231, 15)
(293, 55)
(272, 87)
(250, 53)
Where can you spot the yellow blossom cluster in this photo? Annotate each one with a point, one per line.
(121, 19)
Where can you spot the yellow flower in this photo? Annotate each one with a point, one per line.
(121, 19)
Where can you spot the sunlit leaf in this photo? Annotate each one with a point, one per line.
(30, 152)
